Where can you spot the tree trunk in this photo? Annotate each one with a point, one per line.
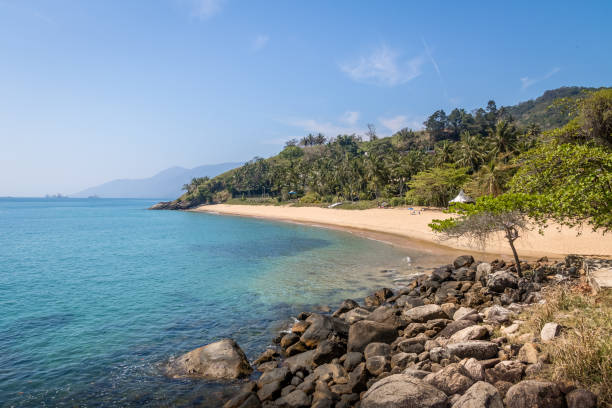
(516, 258)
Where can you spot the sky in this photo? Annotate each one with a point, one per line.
(97, 90)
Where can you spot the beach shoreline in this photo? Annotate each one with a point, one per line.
(409, 229)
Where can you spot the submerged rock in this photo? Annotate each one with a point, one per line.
(220, 360)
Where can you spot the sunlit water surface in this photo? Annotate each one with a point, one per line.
(97, 294)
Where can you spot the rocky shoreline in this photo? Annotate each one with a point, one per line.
(449, 339)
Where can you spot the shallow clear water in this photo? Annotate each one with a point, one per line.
(96, 295)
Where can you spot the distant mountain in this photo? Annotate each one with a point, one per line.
(165, 184)
(537, 110)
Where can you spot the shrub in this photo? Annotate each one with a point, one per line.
(310, 198)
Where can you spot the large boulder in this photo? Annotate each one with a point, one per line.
(480, 395)
(220, 360)
(499, 281)
(463, 261)
(327, 350)
(321, 327)
(403, 391)
(478, 349)
(422, 314)
(365, 332)
(534, 394)
(387, 315)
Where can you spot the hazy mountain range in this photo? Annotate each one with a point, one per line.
(165, 184)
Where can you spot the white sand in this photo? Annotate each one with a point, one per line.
(401, 225)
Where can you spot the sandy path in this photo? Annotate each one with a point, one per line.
(400, 224)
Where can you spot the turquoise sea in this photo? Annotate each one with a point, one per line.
(97, 294)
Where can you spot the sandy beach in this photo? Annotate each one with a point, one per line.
(403, 227)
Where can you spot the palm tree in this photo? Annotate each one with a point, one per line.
(444, 152)
(503, 138)
(469, 152)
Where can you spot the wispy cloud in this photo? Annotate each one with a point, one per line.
(346, 124)
(205, 9)
(383, 67)
(436, 67)
(526, 82)
(350, 117)
(259, 42)
(399, 122)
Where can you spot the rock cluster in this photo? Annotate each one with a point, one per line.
(428, 345)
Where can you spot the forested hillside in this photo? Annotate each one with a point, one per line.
(478, 151)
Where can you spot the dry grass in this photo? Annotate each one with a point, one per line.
(583, 353)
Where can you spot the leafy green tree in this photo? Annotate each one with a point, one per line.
(437, 185)
(576, 181)
(490, 179)
(506, 214)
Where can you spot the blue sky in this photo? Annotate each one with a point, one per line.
(96, 90)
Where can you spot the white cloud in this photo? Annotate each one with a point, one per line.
(259, 42)
(384, 67)
(399, 122)
(350, 117)
(205, 9)
(526, 82)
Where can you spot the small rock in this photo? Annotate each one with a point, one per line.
(528, 353)
(473, 369)
(288, 340)
(377, 349)
(497, 314)
(470, 333)
(345, 306)
(550, 331)
(499, 281)
(352, 360)
(401, 360)
(478, 349)
(376, 365)
(295, 399)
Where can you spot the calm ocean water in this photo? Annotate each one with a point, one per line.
(96, 295)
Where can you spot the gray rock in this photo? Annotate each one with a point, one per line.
(251, 402)
(352, 360)
(581, 398)
(295, 399)
(376, 365)
(288, 340)
(500, 280)
(403, 391)
(463, 261)
(407, 301)
(452, 379)
(355, 315)
(423, 314)
(550, 331)
(377, 349)
(300, 362)
(441, 274)
(345, 306)
(478, 349)
(419, 374)
(329, 371)
(482, 271)
(269, 391)
(473, 369)
(534, 394)
(454, 327)
(498, 314)
(277, 375)
(220, 360)
(465, 313)
(321, 327)
(387, 315)
(401, 360)
(470, 333)
(327, 350)
(508, 370)
(365, 332)
(480, 395)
